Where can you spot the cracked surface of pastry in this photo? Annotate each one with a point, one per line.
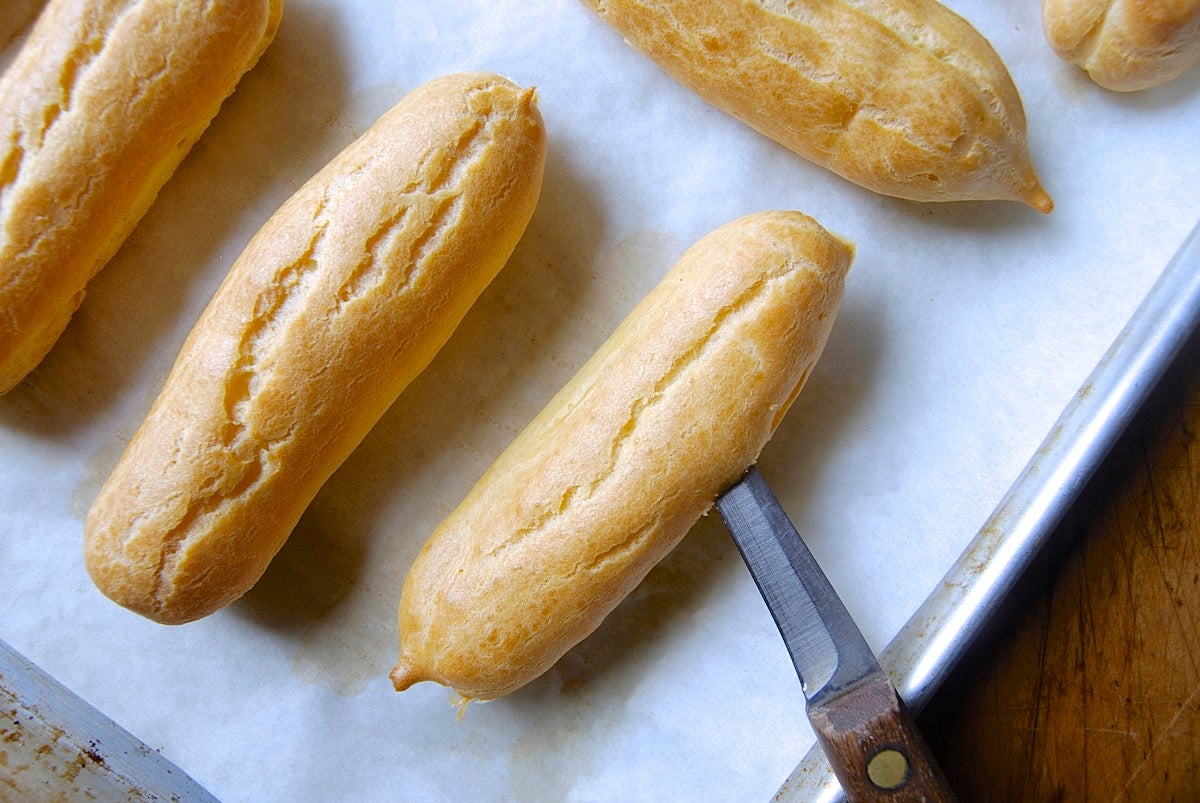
(903, 97)
(620, 464)
(335, 305)
(104, 100)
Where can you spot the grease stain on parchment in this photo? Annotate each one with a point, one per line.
(100, 463)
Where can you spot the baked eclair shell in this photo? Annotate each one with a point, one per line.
(620, 464)
(337, 303)
(103, 101)
(903, 97)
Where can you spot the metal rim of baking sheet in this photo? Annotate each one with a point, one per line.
(63, 748)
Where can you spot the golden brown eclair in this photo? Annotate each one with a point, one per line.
(620, 464)
(902, 97)
(336, 304)
(1125, 45)
(99, 107)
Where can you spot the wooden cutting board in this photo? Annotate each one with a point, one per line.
(1087, 684)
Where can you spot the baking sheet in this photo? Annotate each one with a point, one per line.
(57, 747)
(965, 331)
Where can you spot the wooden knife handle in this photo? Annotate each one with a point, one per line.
(874, 747)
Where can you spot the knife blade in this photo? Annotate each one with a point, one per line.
(862, 724)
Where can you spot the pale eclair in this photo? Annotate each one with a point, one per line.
(903, 97)
(336, 304)
(101, 104)
(620, 464)
(1125, 45)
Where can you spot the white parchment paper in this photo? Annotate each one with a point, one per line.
(965, 330)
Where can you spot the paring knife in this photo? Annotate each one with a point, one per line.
(866, 731)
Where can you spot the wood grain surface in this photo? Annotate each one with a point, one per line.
(1087, 684)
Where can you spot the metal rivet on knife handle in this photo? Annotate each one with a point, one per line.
(888, 768)
(874, 746)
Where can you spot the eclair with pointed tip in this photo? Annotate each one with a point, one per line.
(620, 464)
